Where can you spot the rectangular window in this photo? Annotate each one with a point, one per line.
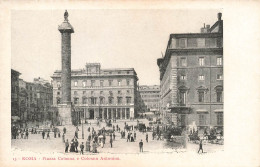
(183, 62)
(101, 83)
(110, 82)
(119, 100)
(58, 93)
(201, 77)
(183, 77)
(110, 93)
(58, 84)
(183, 122)
(119, 92)
(219, 61)
(128, 100)
(219, 96)
(220, 118)
(110, 100)
(202, 119)
(92, 93)
(76, 100)
(219, 77)
(201, 96)
(182, 43)
(75, 83)
(58, 100)
(201, 61)
(84, 92)
(119, 82)
(101, 92)
(93, 100)
(75, 92)
(182, 98)
(127, 82)
(192, 42)
(92, 82)
(84, 100)
(84, 84)
(102, 100)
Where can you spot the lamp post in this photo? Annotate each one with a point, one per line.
(82, 122)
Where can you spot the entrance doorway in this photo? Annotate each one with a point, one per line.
(91, 114)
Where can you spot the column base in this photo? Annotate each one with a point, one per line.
(65, 114)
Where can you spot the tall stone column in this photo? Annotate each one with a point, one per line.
(65, 108)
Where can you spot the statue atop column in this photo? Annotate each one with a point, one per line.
(66, 15)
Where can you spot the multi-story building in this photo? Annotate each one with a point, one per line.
(191, 78)
(15, 94)
(100, 93)
(151, 97)
(44, 98)
(35, 100)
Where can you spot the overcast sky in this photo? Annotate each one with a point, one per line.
(114, 38)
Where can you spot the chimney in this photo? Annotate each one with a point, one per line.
(219, 16)
(208, 27)
(203, 29)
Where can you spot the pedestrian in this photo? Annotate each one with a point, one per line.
(66, 146)
(64, 130)
(94, 147)
(27, 134)
(114, 136)
(48, 135)
(128, 137)
(63, 138)
(55, 134)
(135, 135)
(43, 134)
(59, 134)
(102, 142)
(81, 148)
(147, 137)
(76, 145)
(72, 146)
(200, 148)
(88, 145)
(89, 137)
(141, 144)
(111, 142)
(153, 134)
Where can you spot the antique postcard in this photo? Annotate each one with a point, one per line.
(130, 83)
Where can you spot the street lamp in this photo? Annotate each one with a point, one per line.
(82, 122)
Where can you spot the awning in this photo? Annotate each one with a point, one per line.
(219, 110)
(202, 111)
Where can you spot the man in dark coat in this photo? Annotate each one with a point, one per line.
(141, 145)
(64, 130)
(146, 137)
(76, 145)
(200, 148)
(81, 148)
(43, 134)
(66, 146)
(111, 142)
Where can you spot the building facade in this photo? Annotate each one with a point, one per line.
(191, 78)
(15, 112)
(151, 97)
(100, 93)
(35, 100)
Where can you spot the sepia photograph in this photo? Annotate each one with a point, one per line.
(122, 87)
(129, 86)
